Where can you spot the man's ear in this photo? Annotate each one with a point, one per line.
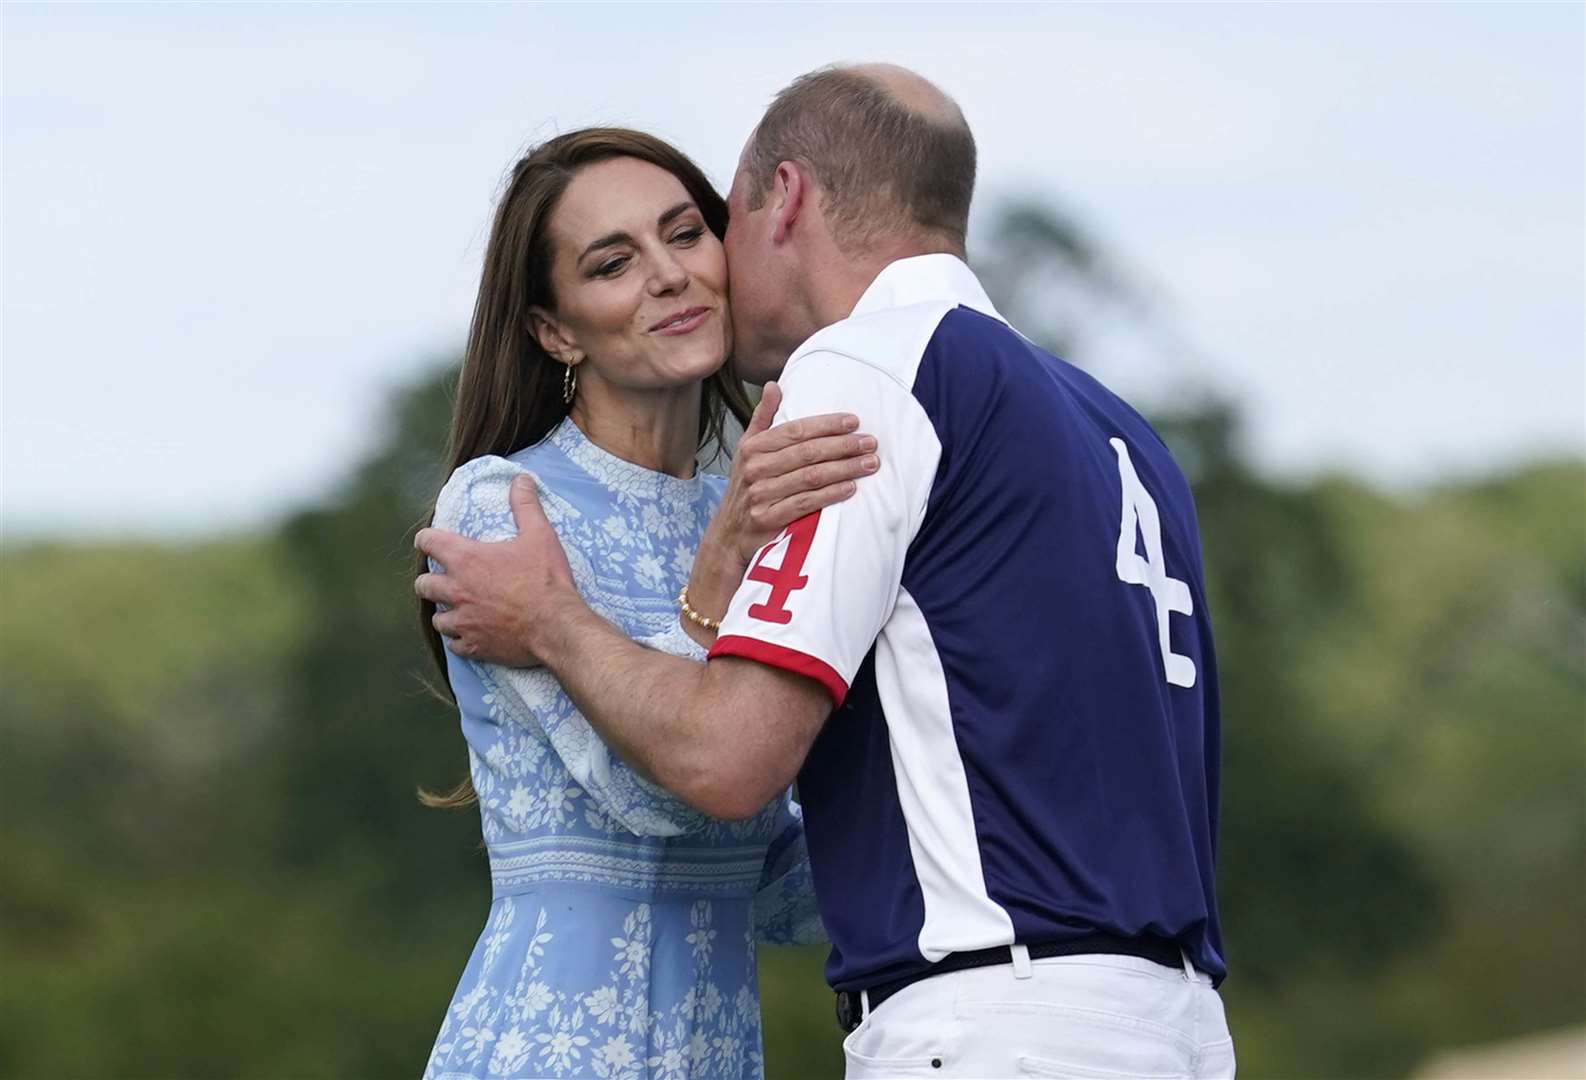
(553, 337)
(789, 190)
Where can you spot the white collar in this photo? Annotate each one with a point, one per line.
(922, 279)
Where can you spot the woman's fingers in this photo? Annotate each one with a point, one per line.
(806, 428)
(765, 411)
(782, 514)
(795, 469)
(815, 477)
(770, 464)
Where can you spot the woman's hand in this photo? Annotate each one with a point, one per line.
(779, 474)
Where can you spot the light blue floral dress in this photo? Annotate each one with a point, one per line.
(621, 936)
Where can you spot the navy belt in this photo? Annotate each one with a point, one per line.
(1159, 950)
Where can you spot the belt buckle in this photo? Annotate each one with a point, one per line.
(849, 1010)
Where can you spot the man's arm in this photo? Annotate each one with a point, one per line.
(796, 631)
(779, 474)
(726, 737)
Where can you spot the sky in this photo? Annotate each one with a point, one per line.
(231, 231)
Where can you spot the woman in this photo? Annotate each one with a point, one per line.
(621, 937)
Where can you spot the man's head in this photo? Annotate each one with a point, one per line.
(850, 169)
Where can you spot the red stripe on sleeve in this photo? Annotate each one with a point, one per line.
(779, 656)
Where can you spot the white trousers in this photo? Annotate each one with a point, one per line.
(1093, 1016)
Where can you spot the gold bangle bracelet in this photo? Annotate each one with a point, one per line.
(693, 616)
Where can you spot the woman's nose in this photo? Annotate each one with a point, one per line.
(669, 276)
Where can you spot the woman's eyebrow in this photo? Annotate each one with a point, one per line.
(612, 239)
(677, 211)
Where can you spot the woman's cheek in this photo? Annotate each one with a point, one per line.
(711, 268)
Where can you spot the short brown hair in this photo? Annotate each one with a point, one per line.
(884, 167)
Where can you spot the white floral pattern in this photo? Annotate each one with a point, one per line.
(621, 938)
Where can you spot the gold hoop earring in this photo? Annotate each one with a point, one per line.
(569, 384)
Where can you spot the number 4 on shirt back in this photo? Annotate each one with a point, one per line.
(785, 579)
(1169, 593)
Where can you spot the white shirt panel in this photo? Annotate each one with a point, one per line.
(815, 601)
(933, 791)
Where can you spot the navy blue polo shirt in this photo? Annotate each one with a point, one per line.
(1011, 620)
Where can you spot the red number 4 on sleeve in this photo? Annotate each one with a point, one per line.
(784, 580)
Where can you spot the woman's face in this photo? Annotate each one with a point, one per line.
(640, 281)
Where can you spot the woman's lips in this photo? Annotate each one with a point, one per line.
(684, 322)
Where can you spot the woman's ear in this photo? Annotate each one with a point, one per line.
(553, 337)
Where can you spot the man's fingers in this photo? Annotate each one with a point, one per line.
(525, 500)
(445, 623)
(440, 545)
(809, 427)
(436, 588)
(765, 412)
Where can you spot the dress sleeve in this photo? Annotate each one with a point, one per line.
(475, 503)
(784, 906)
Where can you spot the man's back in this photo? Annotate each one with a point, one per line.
(1029, 751)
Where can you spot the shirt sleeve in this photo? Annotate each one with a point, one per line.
(475, 502)
(815, 598)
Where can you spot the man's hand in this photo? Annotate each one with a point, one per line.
(497, 598)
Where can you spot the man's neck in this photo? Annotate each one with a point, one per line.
(836, 288)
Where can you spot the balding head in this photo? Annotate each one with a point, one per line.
(890, 153)
(911, 90)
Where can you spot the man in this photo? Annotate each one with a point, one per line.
(991, 670)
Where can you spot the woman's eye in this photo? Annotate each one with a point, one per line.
(611, 266)
(688, 236)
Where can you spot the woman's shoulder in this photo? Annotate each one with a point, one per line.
(477, 492)
(476, 497)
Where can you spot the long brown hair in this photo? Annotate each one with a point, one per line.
(509, 392)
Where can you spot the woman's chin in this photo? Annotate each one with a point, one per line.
(701, 369)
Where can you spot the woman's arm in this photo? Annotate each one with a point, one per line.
(778, 475)
(784, 907)
(475, 504)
